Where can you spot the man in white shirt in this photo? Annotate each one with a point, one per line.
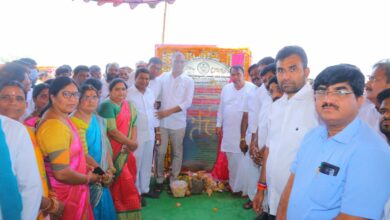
(112, 72)
(230, 113)
(378, 81)
(128, 75)
(291, 117)
(260, 103)
(245, 168)
(24, 167)
(143, 99)
(155, 66)
(177, 92)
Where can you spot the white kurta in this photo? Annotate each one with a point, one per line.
(230, 113)
(247, 171)
(146, 122)
(24, 166)
(264, 112)
(177, 91)
(155, 86)
(371, 116)
(290, 120)
(30, 104)
(105, 90)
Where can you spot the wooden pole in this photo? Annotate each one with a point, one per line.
(164, 20)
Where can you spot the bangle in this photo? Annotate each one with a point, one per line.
(242, 139)
(157, 132)
(261, 186)
(48, 206)
(88, 179)
(55, 206)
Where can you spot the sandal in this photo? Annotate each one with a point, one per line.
(248, 205)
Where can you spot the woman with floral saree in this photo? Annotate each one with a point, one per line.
(121, 123)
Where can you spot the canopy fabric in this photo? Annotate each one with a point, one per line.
(132, 3)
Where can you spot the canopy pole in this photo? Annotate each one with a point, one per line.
(164, 20)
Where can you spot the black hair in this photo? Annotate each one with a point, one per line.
(95, 82)
(62, 70)
(270, 67)
(15, 84)
(290, 50)
(237, 67)
(94, 69)
(272, 80)
(66, 66)
(28, 62)
(386, 65)
(38, 89)
(155, 60)
(116, 81)
(49, 81)
(13, 72)
(341, 73)
(79, 69)
(55, 87)
(266, 61)
(252, 67)
(86, 87)
(141, 70)
(58, 84)
(385, 94)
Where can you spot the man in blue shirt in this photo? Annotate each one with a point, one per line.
(341, 170)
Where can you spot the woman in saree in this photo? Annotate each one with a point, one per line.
(13, 105)
(40, 97)
(62, 149)
(121, 119)
(93, 133)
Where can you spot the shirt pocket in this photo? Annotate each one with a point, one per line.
(325, 190)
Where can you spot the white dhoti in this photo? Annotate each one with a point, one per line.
(234, 160)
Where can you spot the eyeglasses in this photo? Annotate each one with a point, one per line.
(338, 94)
(69, 95)
(8, 98)
(90, 98)
(374, 79)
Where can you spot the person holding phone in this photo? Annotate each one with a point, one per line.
(61, 146)
(93, 133)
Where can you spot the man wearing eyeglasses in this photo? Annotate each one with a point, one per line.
(290, 118)
(340, 170)
(377, 82)
(176, 97)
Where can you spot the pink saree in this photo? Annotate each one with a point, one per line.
(75, 197)
(123, 190)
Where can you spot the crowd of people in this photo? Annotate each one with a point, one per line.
(82, 147)
(93, 139)
(303, 150)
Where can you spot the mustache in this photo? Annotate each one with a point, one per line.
(326, 105)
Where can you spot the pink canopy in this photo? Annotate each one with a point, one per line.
(132, 3)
